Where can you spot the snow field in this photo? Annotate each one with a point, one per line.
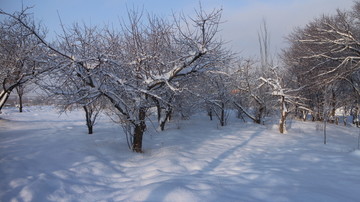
(49, 157)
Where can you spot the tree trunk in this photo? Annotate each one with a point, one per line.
(222, 115)
(20, 103)
(166, 118)
(158, 108)
(313, 117)
(325, 130)
(210, 114)
(90, 129)
(170, 114)
(333, 106)
(139, 129)
(240, 116)
(4, 96)
(89, 123)
(282, 124)
(304, 114)
(246, 113)
(20, 92)
(260, 114)
(355, 115)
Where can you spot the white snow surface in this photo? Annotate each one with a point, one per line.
(45, 156)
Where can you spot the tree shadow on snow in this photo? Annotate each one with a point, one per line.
(178, 186)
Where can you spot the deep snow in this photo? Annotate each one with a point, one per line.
(45, 156)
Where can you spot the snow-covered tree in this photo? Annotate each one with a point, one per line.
(135, 66)
(325, 55)
(258, 101)
(216, 94)
(326, 50)
(20, 91)
(21, 55)
(249, 95)
(287, 95)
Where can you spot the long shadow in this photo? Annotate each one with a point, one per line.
(216, 162)
(168, 186)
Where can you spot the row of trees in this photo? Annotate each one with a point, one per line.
(324, 59)
(148, 63)
(180, 66)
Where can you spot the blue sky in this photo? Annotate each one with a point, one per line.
(242, 17)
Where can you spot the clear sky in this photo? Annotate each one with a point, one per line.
(242, 18)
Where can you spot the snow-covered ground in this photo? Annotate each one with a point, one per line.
(49, 157)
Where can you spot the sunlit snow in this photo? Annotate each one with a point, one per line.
(49, 157)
